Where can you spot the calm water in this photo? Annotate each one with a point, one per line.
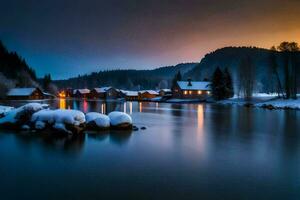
(192, 151)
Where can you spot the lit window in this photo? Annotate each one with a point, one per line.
(199, 92)
(190, 92)
(185, 92)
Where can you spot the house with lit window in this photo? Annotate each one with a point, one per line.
(129, 95)
(65, 93)
(191, 90)
(147, 94)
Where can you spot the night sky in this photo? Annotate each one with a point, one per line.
(67, 38)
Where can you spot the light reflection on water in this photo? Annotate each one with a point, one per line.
(187, 151)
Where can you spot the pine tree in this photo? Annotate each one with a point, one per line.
(218, 85)
(228, 84)
(176, 78)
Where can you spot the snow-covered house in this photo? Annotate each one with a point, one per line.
(104, 93)
(81, 93)
(129, 95)
(147, 94)
(25, 94)
(165, 92)
(191, 89)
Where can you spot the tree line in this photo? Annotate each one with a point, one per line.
(14, 71)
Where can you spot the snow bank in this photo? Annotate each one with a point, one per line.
(5, 109)
(20, 116)
(281, 104)
(97, 121)
(120, 120)
(62, 120)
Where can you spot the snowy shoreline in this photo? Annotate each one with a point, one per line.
(264, 101)
(39, 118)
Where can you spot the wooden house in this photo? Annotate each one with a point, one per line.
(191, 90)
(25, 94)
(147, 94)
(65, 93)
(81, 93)
(165, 92)
(104, 93)
(129, 95)
(112, 93)
(98, 93)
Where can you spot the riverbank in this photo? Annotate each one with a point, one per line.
(268, 101)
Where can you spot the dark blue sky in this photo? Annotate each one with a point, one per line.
(68, 38)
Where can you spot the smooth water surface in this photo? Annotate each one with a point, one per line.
(188, 151)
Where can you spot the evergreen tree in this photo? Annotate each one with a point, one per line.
(177, 77)
(218, 85)
(228, 84)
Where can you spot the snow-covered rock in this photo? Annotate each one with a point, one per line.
(61, 120)
(120, 120)
(96, 121)
(4, 110)
(16, 118)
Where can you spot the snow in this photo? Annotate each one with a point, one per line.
(100, 120)
(102, 89)
(25, 127)
(39, 125)
(148, 91)
(81, 91)
(166, 90)
(130, 93)
(5, 109)
(281, 103)
(119, 118)
(264, 100)
(58, 119)
(73, 117)
(20, 91)
(13, 115)
(196, 85)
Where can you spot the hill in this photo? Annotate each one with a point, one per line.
(127, 79)
(231, 57)
(14, 71)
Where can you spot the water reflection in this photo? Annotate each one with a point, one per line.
(62, 104)
(66, 144)
(208, 147)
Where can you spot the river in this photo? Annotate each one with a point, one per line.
(188, 151)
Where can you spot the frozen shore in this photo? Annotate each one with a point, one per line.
(39, 118)
(269, 101)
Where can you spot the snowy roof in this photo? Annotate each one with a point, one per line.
(130, 93)
(165, 90)
(82, 91)
(102, 89)
(20, 91)
(149, 91)
(195, 85)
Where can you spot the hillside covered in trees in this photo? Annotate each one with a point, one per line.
(266, 70)
(128, 79)
(14, 71)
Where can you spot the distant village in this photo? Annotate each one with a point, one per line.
(187, 90)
